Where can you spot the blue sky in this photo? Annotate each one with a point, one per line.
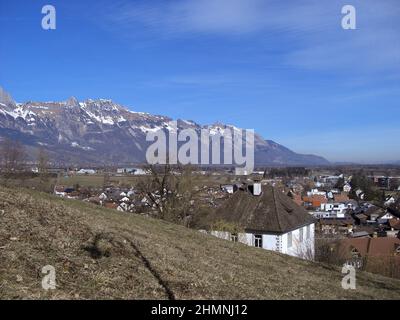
(284, 68)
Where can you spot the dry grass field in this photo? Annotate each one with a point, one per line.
(97, 180)
(104, 254)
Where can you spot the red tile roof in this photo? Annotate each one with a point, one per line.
(395, 224)
(372, 247)
(315, 200)
(342, 197)
(111, 205)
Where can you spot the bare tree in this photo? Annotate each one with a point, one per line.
(43, 161)
(170, 191)
(106, 177)
(12, 155)
(326, 250)
(43, 164)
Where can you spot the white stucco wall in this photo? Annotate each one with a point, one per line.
(303, 249)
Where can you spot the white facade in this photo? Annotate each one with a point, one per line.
(135, 171)
(351, 205)
(339, 208)
(389, 201)
(139, 172)
(257, 189)
(103, 196)
(386, 216)
(359, 192)
(298, 243)
(86, 171)
(125, 170)
(60, 194)
(347, 187)
(315, 192)
(227, 188)
(328, 215)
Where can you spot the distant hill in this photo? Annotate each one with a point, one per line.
(100, 254)
(97, 132)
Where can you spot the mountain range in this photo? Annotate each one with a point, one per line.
(102, 132)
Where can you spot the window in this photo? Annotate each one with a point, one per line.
(289, 240)
(258, 240)
(356, 260)
(278, 244)
(355, 254)
(234, 237)
(308, 232)
(301, 235)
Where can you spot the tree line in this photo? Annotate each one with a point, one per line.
(14, 161)
(288, 172)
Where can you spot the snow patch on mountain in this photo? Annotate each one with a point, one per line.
(77, 145)
(112, 132)
(20, 112)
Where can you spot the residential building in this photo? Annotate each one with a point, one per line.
(86, 171)
(347, 188)
(314, 202)
(333, 226)
(377, 255)
(315, 192)
(389, 200)
(341, 197)
(229, 188)
(338, 208)
(268, 219)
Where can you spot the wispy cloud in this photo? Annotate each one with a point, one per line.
(214, 81)
(221, 17)
(374, 47)
(182, 17)
(310, 29)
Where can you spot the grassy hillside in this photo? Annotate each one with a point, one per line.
(100, 253)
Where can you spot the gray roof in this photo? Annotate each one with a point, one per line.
(271, 212)
(360, 234)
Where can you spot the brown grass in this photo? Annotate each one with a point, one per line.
(101, 254)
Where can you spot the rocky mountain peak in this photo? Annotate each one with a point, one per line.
(6, 99)
(102, 131)
(72, 101)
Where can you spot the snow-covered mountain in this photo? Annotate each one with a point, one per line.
(101, 132)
